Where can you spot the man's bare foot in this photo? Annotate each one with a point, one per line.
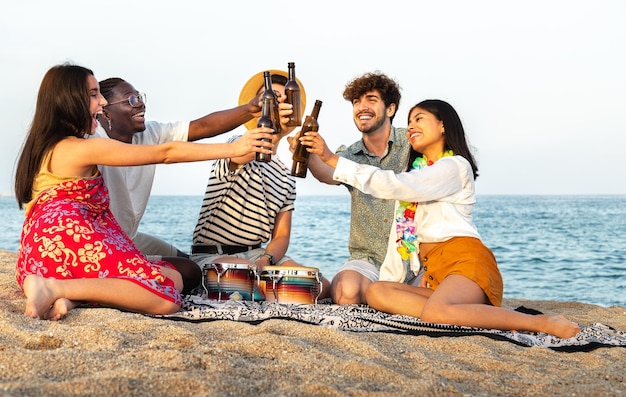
(561, 327)
(60, 308)
(39, 296)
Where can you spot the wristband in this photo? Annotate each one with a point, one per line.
(270, 257)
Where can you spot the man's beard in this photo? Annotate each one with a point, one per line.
(373, 128)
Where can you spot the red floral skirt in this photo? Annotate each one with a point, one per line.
(70, 232)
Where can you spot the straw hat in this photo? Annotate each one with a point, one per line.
(256, 82)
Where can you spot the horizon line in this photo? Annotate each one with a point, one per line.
(348, 195)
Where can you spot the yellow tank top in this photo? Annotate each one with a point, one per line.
(45, 180)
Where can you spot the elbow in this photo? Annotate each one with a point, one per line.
(170, 153)
(168, 158)
(326, 179)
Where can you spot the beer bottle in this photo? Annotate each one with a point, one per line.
(266, 122)
(292, 91)
(268, 92)
(300, 154)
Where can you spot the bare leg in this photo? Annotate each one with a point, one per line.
(397, 298)
(43, 293)
(460, 301)
(348, 287)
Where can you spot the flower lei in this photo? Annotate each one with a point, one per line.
(405, 214)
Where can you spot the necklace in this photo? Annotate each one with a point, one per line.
(423, 161)
(405, 214)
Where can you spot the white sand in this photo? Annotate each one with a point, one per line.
(105, 352)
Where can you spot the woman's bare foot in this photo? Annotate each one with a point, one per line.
(561, 327)
(60, 308)
(40, 296)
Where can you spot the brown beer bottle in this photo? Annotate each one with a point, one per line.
(266, 122)
(268, 92)
(300, 154)
(292, 92)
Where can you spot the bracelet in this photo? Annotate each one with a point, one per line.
(270, 257)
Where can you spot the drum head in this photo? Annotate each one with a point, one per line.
(300, 271)
(222, 266)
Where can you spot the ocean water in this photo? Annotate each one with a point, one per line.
(563, 248)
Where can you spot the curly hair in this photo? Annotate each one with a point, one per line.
(388, 88)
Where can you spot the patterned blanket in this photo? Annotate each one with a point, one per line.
(362, 318)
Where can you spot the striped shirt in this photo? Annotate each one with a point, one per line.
(240, 207)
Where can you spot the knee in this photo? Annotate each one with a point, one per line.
(167, 307)
(436, 313)
(346, 293)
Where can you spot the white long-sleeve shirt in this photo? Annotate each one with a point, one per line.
(445, 195)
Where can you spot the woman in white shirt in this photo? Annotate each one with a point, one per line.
(433, 227)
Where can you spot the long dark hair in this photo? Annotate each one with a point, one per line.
(455, 134)
(62, 110)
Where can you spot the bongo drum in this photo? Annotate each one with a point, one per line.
(291, 284)
(229, 281)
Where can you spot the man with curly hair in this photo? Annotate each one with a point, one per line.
(375, 100)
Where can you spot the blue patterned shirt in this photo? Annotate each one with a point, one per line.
(371, 218)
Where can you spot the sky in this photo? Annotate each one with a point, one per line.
(540, 85)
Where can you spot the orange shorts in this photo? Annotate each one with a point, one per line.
(468, 257)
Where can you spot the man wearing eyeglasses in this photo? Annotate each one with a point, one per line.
(123, 118)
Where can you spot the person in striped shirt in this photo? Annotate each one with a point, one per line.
(248, 205)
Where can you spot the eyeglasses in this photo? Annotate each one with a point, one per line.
(133, 100)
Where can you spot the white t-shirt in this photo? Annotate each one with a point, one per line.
(444, 193)
(129, 187)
